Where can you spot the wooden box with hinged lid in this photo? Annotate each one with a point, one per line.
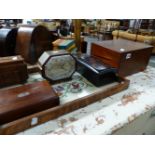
(13, 70)
(95, 71)
(127, 56)
(24, 100)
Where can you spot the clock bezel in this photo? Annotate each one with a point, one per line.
(61, 80)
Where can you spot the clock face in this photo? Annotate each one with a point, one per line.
(60, 67)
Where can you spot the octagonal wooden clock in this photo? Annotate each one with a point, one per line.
(57, 65)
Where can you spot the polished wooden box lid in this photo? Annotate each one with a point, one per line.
(127, 56)
(11, 60)
(25, 100)
(123, 46)
(94, 64)
(95, 71)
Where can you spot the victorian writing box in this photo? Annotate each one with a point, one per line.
(95, 70)
(25, 100)
(13, 70)
(127, 56)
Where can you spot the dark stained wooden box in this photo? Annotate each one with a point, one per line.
(95, 70)
(25, 100)
(13, 70)
(127, 56)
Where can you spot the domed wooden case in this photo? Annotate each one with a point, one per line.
(7, 41)
(57, 65)
(32, 41)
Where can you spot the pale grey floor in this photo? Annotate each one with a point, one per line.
(152, 61)
(89, 40)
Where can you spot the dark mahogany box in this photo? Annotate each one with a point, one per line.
(13, 70)
(127, 56)
(25, 100)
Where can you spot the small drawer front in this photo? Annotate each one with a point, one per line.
(107, 56)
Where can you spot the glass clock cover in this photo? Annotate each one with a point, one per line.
(59, 67)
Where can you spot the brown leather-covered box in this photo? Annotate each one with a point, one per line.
(25, 100)
(13, 70)
(127, 56)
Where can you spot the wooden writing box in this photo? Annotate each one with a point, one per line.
(127, 56)
(13, 70)
(95, 70)
(25, 100)
(93, 96)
